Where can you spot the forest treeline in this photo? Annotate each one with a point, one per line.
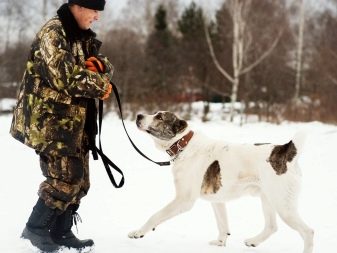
(277, 59)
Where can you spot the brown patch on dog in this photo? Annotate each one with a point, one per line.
(212, 179)
(280, 155)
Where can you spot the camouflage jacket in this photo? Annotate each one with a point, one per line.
(53, 97)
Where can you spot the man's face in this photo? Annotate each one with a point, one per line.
(85, 17)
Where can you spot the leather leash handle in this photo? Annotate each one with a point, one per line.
(106, 161)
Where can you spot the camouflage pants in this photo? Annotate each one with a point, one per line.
(67, 179)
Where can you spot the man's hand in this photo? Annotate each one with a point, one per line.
(107, 93)
(95, 65)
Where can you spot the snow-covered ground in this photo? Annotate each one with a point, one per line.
(108, 214)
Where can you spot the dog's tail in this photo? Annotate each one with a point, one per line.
(299, 140)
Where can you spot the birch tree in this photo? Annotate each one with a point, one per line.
(299, 54)
(242, 44)
(321, 85)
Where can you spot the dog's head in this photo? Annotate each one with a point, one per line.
(162, 125)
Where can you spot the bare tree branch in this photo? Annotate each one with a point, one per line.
(332, 79)
(263, 56)
(334, 54)
(215, 60)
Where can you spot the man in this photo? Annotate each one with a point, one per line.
(56, 115)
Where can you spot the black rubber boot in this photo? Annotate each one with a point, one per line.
(37, 227)
(61, 231)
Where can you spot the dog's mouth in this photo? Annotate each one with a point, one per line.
(149, 130)
(139, 119)
(140, 125)
(159, 133)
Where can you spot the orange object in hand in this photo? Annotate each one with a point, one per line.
(92, 63)
(107, 93)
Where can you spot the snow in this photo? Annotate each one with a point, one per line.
(7, 104)
(108, 214)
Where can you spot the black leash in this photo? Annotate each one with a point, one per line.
(98, 150)
(135, 147)
(106, 161)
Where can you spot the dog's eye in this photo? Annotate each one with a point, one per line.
(159, 116)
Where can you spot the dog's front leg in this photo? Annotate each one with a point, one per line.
(221, 220)
(177, 206)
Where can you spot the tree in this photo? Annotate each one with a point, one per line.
(19, 25)
(242, 14)
(193, 54)
(48, 8)
(138, 14)
(160, 54)
(299, 55)
(321, 81)
(124, 48)
(270, 85)
(16, 22)
(11, 68)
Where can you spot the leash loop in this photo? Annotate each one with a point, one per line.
(106, 161)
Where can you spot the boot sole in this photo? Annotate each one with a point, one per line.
(36, 241)
(87, 249)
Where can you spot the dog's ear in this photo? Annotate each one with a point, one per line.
(179, 126)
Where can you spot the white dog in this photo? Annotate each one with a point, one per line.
(219, 171)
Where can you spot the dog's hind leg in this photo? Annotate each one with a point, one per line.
(177, 206)
(222, 223)
(291, 217)
(270, 224)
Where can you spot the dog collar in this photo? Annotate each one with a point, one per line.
(179, 145)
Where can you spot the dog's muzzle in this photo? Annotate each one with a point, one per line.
(139, 120)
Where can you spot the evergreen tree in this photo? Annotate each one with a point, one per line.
(161, 66)
(195, 62)
(191, 24)
(160, 19)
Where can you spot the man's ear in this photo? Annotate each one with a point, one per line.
(179, 126)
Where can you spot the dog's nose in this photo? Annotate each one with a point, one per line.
(139, 118)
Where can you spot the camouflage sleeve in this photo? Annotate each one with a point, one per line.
(62, 72)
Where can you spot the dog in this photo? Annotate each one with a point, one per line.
(218, 171)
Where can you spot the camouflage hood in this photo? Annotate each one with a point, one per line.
(53, 97)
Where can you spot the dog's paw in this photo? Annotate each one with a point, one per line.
(251, 243)
(136, 234)
(220, 243)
